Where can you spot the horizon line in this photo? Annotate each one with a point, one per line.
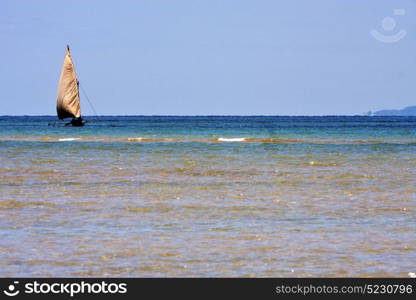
(330, 115)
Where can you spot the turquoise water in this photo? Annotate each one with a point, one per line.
(208, 196)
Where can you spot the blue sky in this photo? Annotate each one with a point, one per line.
(264, 57)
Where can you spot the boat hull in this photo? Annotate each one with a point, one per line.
(77, 122)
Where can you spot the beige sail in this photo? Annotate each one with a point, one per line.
(67, 104)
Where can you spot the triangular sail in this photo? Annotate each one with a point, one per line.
(67, 104)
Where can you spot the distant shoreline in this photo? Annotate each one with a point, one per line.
(405, 112)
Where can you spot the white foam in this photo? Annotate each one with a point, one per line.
(136, 139)
(231, 139)
(68, 139)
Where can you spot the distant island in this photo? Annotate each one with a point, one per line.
(408, 111)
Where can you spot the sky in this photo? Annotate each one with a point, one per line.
(212, 57)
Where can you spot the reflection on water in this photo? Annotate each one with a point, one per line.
(199, 207)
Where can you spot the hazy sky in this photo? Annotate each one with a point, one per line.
(273, 57)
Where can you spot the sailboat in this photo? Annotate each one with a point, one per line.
(68, 100)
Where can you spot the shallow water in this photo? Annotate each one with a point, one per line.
(208, 196)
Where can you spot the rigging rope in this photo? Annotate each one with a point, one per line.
(86, 96)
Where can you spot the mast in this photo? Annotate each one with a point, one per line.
(68, 100)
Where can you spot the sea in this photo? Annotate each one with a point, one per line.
(208, 196)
